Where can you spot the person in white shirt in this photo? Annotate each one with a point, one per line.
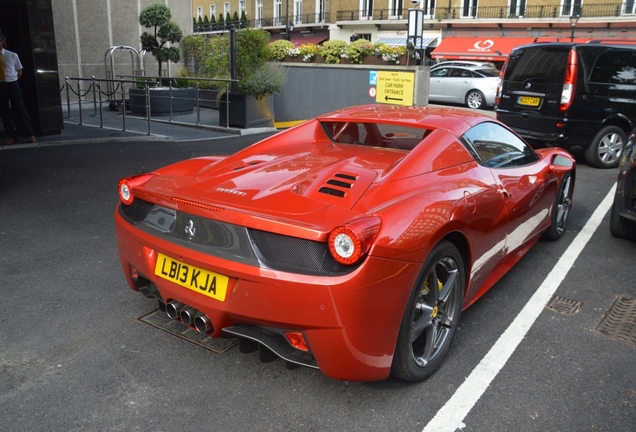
(10, 72)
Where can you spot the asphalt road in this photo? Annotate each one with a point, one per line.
(75, 357)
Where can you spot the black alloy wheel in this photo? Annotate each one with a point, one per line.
(431, 316)
(560, 209)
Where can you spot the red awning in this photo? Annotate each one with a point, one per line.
(477, 48)
(301, 40)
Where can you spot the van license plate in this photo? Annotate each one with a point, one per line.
(529, 101)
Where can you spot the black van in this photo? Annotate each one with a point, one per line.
(571, 94)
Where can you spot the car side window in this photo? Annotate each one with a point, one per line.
(497, 147)
(615, 67)
(438, 73)
(460, 73)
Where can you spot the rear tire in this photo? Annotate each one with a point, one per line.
(606, 148)
(431, 315)
(619, 226)
(475, 99)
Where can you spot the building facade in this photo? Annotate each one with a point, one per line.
(500, 22)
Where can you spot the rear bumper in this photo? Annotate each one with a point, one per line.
(350, 322)
(556, 132)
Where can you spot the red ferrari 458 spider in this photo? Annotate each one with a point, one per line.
(350, 243)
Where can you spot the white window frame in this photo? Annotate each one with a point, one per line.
(518, 9)
(397, 9)
(226, 9)
(321, 11)
(297, 17)
(278, 12)
(472, 7)
(213, 12)
(366, 10)
(199, 12)
(569, 6)
(258, 13)
(429, 9)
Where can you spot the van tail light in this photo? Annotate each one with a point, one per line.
(500, 85)
(569, 82)
(127, 185)
(350, 242)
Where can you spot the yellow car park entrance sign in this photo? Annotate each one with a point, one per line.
(396, 88)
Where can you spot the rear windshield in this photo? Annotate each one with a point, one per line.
(538, 63)
(615, 67)
(489, 72)
(375, 134)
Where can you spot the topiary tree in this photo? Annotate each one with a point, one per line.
(158, 16)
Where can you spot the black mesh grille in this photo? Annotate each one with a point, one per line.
(346, 176)
(331, 191)
(296, 255)
(339, 183)
(137, 211)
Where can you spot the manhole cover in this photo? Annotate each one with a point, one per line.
(160, 320)
(564, 306)
(619, 323)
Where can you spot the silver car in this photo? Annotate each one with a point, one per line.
(465, 63)
(473, 86)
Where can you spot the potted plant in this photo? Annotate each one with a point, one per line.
(390, 54)
(162, 100)
(333, 50)
(252, 104)
(281, 50)
(356, 51)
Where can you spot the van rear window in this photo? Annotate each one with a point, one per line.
(615, 67)
(540, 63)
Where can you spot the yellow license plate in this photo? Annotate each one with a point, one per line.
(529, 101)
(197, 279)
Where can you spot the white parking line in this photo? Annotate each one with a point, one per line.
(451, 416)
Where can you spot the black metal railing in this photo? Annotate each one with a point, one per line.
(319, 18)
(601, 10)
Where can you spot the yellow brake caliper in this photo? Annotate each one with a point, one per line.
(427, 291)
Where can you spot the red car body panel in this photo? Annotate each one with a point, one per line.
(350, 321)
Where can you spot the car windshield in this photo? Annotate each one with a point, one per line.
(375, 134)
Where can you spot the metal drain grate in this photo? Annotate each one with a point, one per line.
(160, 320)
(564, 306)
(619, 323)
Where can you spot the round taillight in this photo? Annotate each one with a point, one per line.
(125, 192)
(349, 243)
(345, 246)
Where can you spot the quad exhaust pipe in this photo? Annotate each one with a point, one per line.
(173, 309)
(189, 316)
